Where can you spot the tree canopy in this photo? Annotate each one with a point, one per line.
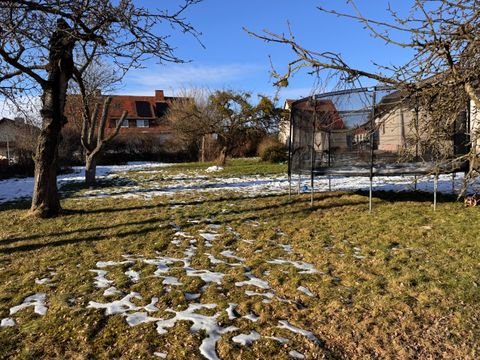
(40, 42)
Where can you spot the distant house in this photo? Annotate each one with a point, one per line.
(361, 135)
(146, 114)
(16, 136)
(401, 127)
(328, 123)
(395, 120)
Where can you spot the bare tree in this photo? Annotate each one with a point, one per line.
(442, 75)
(39, 39)
(90, 82)
(93, 137)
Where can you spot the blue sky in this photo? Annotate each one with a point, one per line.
(232, 59)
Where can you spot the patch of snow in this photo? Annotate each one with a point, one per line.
(138, 318)
(308, 334)
(118, 306)
(286, 248)
(246, 339)
(280, 339)
(296, 355)
(151, 307)
(306, 291)
(111, 291)
(7, 322)
(206, 275)
(171, 280)
(183, 234)
(251, 317)
(160, 354)
(37, 301)
(301, 265)
(268, 295)
(200, 322)
(229, 254)
(100, 280)
(133, 275)
(162, 264)
(191, 296)
(104, 264)
(209, 236)
(254, 281)
(231, 311)
(214, 169)
(42, 281)
(213, 260)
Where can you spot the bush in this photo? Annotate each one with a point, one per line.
(272, 150)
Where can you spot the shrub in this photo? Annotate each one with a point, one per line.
(272, 150)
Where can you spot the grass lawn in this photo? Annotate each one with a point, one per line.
(328, 281)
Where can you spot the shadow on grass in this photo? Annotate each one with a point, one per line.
(403, 196)
(151, 224)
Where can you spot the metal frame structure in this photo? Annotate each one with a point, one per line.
(323, 115)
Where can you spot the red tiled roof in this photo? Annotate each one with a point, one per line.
(325, 109)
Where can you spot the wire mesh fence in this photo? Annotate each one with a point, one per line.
(371, 131)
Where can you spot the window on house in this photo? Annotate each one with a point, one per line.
(143, 123)
(144, 109)
(161, 109)
(124, 123)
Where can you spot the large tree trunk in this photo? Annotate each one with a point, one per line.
(45, 199)
(91, 169)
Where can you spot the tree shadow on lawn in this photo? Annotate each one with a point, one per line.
(151, 225)
(71, 212)
(408, 196)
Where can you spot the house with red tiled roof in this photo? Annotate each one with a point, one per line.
(144, 133)
(146, 114)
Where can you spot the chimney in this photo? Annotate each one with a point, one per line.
(159, 96)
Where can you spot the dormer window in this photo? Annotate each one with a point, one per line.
(160, 109)
(144, 109)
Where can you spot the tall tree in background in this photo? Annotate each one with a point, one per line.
(442, 74)
(38, 43)
(227, 115)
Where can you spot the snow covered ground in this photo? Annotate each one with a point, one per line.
(200, 181)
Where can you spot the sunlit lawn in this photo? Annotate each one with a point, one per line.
(402, 282)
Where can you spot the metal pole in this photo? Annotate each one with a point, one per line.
(372, 146)
(290, 155)
(435, 186)
(329, 183)
(416, 140)
(453, 183)
(8, 152)
(312, 153)
(370, 195)
(289, 187)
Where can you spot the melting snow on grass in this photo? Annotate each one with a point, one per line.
(37, 301)
(16, 189)
(246, 339)
(132, 306)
